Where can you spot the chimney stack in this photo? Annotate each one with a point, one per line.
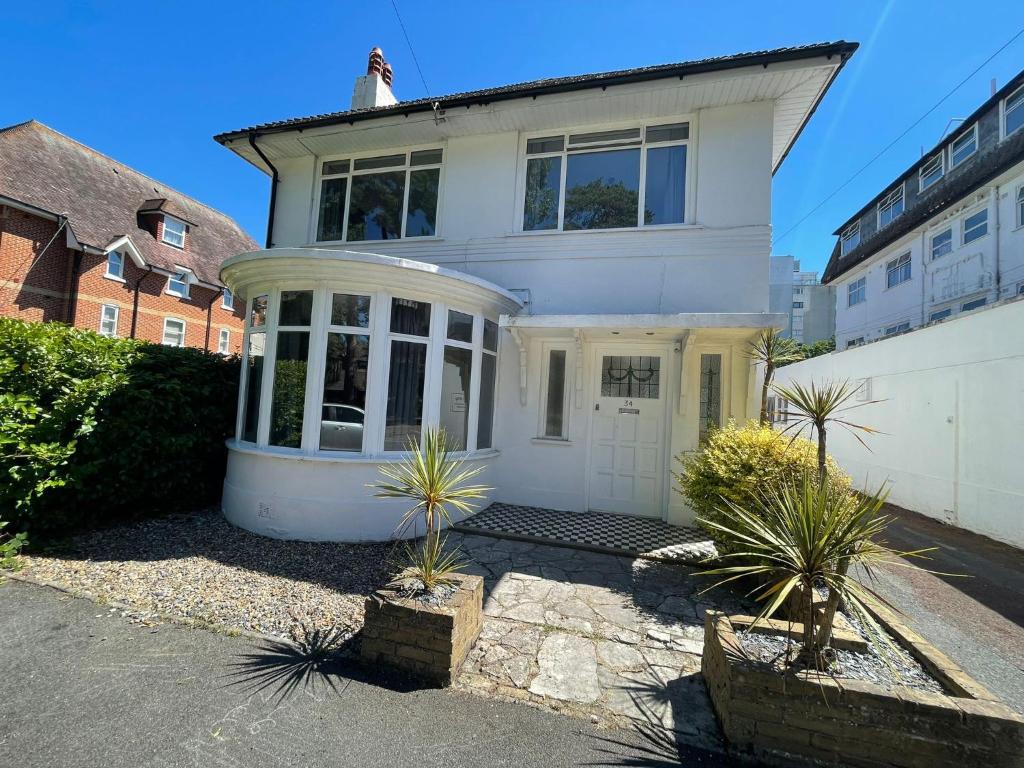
(374, 88)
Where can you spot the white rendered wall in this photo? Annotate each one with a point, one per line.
(951, 414)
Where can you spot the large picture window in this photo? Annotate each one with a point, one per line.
(291, 366)
(385, 197)
(606, 179)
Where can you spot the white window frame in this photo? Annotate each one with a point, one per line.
(858, 287)
(973, 133)
(1003, 111)
(965, 306)
(888, 203)
(567, 387)
(940, 157)
(1020, 206)
(117, 274)
(227, 299)
(964, 230)
(183, 277)
(931, 243)
(163, 338)
(224, 341)
(173, 241)
(689, 204)
(896, 266)
(348, 175)
(848, 235)
(112, 333)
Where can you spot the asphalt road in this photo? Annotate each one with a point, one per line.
(975, 617)
(83, 687)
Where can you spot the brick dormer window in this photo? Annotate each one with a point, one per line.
(174, 232)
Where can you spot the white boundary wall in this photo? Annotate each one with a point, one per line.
(953, 414)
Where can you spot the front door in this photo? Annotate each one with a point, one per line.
(628, 431)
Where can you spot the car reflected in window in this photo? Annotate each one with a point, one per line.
(341, 428)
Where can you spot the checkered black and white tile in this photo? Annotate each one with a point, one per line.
(620, 534)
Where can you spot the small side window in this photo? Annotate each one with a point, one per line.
(556, 395)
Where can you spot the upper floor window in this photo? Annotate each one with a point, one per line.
(798, 305)
(1020, 206)
(174, 232)
(115, 265)
(897, 271)
(963, 146)
(856, 292)
(942, 243)
(940, 314)
(850, 238)
(892, 330)
(890, 207)
(177, 284)
(931, 171)
(855, 342)
(1013, 111)
(606, 179)
(798, 289)
(227, 299)
(379, 198)
(976, 226)
(969, 305)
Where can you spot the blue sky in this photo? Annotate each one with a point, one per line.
(150, 84)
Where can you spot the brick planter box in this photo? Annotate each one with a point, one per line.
(431, 643)
(810, 719)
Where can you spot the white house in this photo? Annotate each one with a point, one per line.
(945, 237)
(562, 273)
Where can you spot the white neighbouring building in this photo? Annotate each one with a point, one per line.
(946, 237)
(564, 274)
(810, 305)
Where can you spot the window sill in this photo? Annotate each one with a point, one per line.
(343, 457)
(173, 245)
(115, 278)
(649, 228)
(562, 442)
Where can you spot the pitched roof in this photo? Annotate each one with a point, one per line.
(943, 194)
(536, 88)
(102, 199)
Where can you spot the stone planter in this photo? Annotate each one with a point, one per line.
(431, 643)
(818, 720)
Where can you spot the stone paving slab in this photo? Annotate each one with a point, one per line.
(614, 639)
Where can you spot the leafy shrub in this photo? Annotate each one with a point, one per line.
(737, 463)
(10, 546)
(96, 430)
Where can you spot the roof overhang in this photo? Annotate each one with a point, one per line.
(644, 326)
(124, 243)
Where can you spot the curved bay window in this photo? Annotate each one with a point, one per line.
(335, 373)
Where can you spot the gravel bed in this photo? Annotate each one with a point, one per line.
(200, 567)
(889, 668)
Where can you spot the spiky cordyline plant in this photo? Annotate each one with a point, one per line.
(771, 350)
(440, 485)
(803, 535)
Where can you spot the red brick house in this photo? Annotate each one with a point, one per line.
(90, 242)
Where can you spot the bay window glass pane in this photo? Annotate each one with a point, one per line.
(555, 413)
(485, 426)
(344, 405)
(426, 157)
(381, 161)
(421, 220)
(602, 189)
(455, 394)
(296, 308)
(410, 317)
(253, 385)
(405, 394)
(332, 167)
(676, 132)
(547, 144)
(543, 181)
(258, 311)
(351, 310)
(490, 335)
(289, 394)
(375, 210)
(665, 187)
(332, 209)
(460, 326)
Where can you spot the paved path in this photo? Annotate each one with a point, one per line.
(82, 687)
(978, 621)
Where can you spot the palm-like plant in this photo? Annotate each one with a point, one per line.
(802, 535)
(439, 484)
(771, 350)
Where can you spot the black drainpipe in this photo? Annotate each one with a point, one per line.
(209, 318)
(135, 299)
(76, 270)
(275, 178)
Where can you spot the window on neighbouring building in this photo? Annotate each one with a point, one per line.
(1020, 288)
(798, 305)
(224, 341)
(379, 198)
(1013, 112)
(976, 226)
(897, 271)
(963, 146)
(890, 206)
(1020, 206)
(941, 314)
(856, 292)
(855, 342)
(178, 285)
(710, 395)
(555, 395)
(942, 243)
(174, 232)
(892, 330)
(798, 289)
(931, 171)
(115, 265)
(969, 305)
(849, 238)
(108, 320)
(613, 179)
(174, 332)
(227, 299)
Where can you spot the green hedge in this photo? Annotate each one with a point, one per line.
(95, 431)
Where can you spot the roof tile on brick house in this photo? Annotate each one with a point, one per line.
(103, 200)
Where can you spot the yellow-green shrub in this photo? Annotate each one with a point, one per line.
(738, 462)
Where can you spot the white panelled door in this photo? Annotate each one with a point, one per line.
(628, 431)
